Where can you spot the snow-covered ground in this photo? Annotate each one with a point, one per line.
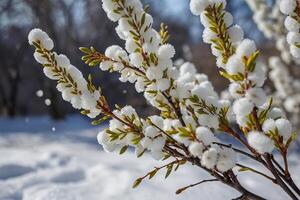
(45, 160)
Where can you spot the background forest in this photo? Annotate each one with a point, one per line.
(75, 23)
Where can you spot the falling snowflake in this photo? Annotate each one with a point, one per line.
(47, 102)
(39, 93)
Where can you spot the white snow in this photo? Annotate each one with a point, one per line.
(68, 164)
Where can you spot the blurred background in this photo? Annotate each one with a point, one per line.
(47, 150)
(75, 23)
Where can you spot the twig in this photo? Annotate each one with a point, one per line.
(277, 164)
(176, 110)
(277, 174)
(236, 185)
(231, 132)
(181, 146)
(278, 178)
(257, 172)
(286, 177)
(237, 150)
(195, 184)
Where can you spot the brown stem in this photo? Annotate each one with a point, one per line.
(277, 177)
(277, 164)
(246, 195)
(177, 144)
(277, 174)
(176, 110)
(286, 165)
(233, 184)
(291, 183)
(286, 177)
(297, 10)
(195, 184)
(257, 124)
(237, 150)
(238, 137)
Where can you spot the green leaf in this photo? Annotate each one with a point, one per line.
(235, 77)
(133, 33)
(177, 166)
(141, 154)
(99, 121)
(291, 139)
(297, 45)
(152, 174)
(137, 182)
(251, 62)
(85, 50)
(123, 149)
(169, 170)
(243, 169)
(136, 141)
(84, 112)
(184, 132)
(166, 157)
(143, 19)
(146, 8)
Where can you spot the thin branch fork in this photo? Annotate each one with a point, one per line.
(277, 165)
(181, 146)
(283, 180)
(257, 172)
(231, 132)
(287, 178)
(195, 184)
(161, 167)
(176, 110)
(231, 182)
(278, 178)
(236, 150)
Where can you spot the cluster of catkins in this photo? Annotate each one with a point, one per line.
(290, 8)
(246, 79)
(287, 88)
(71, 82)
(147, 62)
(270, 21)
